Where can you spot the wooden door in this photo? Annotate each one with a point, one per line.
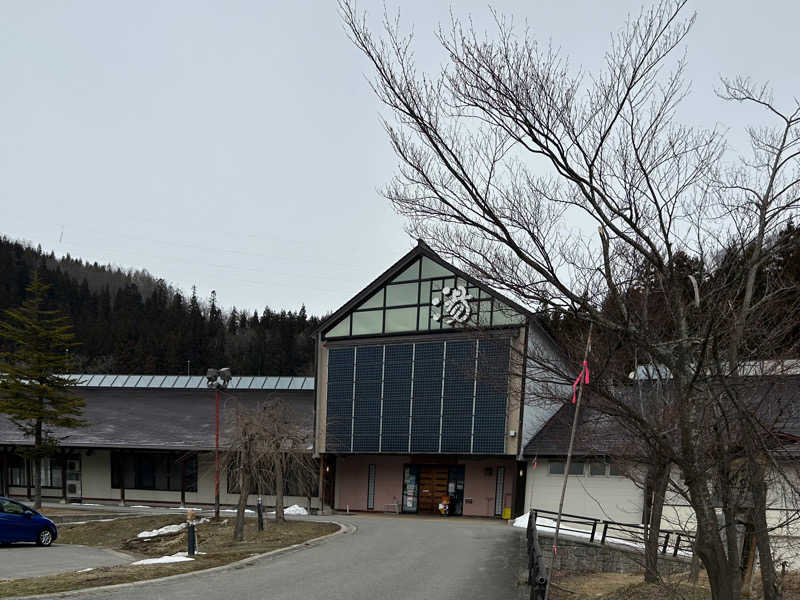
(432, 486)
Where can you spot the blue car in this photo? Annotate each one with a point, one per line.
(18, 523)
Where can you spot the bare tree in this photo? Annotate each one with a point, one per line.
(268, 447)
(584, 196)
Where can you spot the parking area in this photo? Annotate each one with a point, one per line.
(28, 560)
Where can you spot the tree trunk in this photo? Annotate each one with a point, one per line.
(657, 488)
(280, 484)
(244, 492)
(37, 467)
(761, 531)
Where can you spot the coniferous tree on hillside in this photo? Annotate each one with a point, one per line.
(132, 322)
(35, 389)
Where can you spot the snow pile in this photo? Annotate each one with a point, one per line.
(166, 530)
(186, 508)
(175, 558)
(295, 509)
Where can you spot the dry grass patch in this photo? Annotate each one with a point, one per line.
(215, 541)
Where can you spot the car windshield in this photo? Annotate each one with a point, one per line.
(13, 508)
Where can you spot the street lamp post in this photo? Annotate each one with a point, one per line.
(217, 380)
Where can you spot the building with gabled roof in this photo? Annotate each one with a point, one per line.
(421, 394)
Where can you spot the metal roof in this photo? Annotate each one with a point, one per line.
(192, 382)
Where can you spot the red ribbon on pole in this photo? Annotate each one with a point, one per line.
(585, 374)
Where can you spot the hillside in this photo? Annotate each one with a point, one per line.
(133, 322)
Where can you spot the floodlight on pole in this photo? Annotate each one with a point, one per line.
(217, 379)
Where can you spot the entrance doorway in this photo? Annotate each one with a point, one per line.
(432, 487)
(425, 487)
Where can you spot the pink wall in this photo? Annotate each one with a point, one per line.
(481, 487)
(352, 477)
(352, 474)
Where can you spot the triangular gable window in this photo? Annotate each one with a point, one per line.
(414, 301)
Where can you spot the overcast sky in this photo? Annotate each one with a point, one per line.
(237, 146)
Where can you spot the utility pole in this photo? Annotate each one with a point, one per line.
(217, 380)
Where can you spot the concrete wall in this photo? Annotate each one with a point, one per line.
(600, 497)
(352, 473)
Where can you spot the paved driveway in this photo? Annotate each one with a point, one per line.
(386, 558)
(28, 560)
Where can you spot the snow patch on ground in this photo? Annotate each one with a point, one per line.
(232, 511)
(85, 570)
(294, 509)
(174, 558)
(140, 506)
(166, 530)
(548, 526)
(194, 508)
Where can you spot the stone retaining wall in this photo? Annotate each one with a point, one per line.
(577, 555)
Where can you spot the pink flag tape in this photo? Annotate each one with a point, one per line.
(585, 375)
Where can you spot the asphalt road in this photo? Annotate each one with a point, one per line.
(386, 558)
(29, 560)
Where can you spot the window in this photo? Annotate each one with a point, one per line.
(498, 491)
(153, 471)
(17, 475)
(51, 472)
(597, 469)
(371, 487)
(557, 468)
(401, 319)
(368, 321)
(401, 293)
(576, 468)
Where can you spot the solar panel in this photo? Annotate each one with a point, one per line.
(95, 380)
(144, 381)
(340, 399)
(257, 383)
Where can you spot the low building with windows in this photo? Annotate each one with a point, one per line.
(149, 440)
(421, 395)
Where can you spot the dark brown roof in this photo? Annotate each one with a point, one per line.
(776, 401)
(597, 435)
(160, 418)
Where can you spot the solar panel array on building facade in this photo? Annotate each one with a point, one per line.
(428, 397)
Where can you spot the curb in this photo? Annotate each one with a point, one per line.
(343, 529)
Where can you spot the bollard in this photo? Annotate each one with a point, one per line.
(260, 511)
(191, 540)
